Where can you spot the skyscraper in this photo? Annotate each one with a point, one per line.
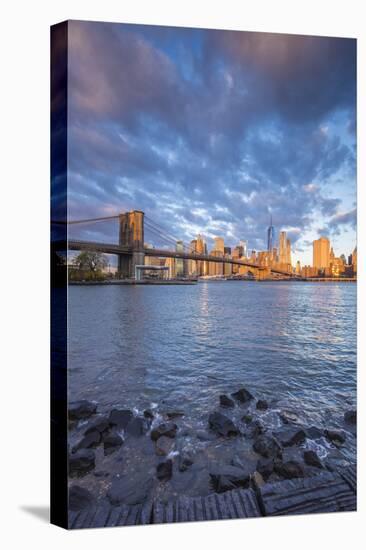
(321, 253)
(270, 236)
(179, 262)
(288, 252)
(283, 248)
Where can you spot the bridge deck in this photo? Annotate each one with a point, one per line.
(325, 492)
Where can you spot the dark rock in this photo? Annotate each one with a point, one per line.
(185, 461)
(164, 445)
(265, 466)
(81, 462)
(225, 401)
(314, 433)
(242, 395)
(255, 429)
(79, 498)
(288, 417)
(174, 414)
(226, 478)
(164, 470)
(262, 405)
(169, 429)
(100, 425)
(205, 436)
(289, 470)
(148, 414)
(350, 417)
(222, 424)
(130, 490)
(267, 446)
(290, 436)
(101, 473)
(81, 409)
(247, 418)
(335, 437)
(112, 442)
(312, 459)
(91, 440)
(120, 418)
(136, 426)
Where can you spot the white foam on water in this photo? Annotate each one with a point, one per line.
(319, 448)
(172, 454)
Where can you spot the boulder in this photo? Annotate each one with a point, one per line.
(130, 490)
(164, 445)
(257, 480)
(242, 395)
(168, 429)
(120, 418)
(290, 436)
(205, 436)
(100, 425)
(82, 462)
(247, 418)
(312, 459)
(148, 414)
(222, 425)
(267, 447)
(164, 470)
(255, 429)
(225, 401)
(79, 498)
(289, 417)
(136, 426)
(112, 442)
(314, 433)
(289, 470)
(226, 478)
(265, 466)
(173, 414)
(350, 417)
(262, 405)
(185, 461)
(335, 437)
(79, 410)
(91, 440)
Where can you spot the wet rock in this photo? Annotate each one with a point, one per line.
(130, 490)
(314, 433)
(257, 480)
(205, 436)
(267, 447)
(242, 395)
(185, 461)
(225, 401)
(164, 445)
(222, 425)
(168, 429)
(226, 478)
(312, 459)
(79, 410)
(262, 405)
(247, 418)
(335, 437)
(79, 498)
(136, 426)
(164, 470)
(148, 414)
(290, 436)
(288, 417)
(91, 440)
(265, 466)
(101, 473)
(100, 425)
(255, 429)
(350, 417)
(112, 442)
(81, 462)
(120, 418)
(174, 414)
(289, 470)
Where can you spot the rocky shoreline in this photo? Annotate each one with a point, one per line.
(288, 451)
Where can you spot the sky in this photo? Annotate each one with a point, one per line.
(212, 132)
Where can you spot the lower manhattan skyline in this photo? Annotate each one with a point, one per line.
(218, 132)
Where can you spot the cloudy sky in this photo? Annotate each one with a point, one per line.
(212, 131)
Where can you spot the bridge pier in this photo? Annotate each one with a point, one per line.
(131, 235)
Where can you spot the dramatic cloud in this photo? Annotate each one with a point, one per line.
(212, 131)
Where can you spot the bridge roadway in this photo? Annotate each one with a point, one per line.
(109, 248)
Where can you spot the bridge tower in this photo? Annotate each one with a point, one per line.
(131, 235)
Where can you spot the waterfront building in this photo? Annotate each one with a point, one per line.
(354, 260)
(244, 247)
(201, 248)
(170, 264)
(283, 248)
(321, 253)
(270, 236)
(288, 252)
(179, 262)
(298, 267)
(219, 244)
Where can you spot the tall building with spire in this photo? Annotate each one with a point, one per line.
(270, 236)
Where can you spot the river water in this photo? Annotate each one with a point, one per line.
(180, 347)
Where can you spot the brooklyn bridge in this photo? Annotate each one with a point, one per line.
(131, 249)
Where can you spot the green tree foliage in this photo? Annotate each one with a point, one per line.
(88, 265)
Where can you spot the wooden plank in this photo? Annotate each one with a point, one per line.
(146, 513)
(197, 502)
(211, 507)
(124, 514)
(250, 503)
(133, 515)
(222, 506)
(228, 497)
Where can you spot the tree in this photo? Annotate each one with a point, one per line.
(90, 261)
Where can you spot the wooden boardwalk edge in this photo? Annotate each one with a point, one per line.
(325, 492)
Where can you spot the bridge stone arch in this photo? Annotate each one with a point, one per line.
(131, 235)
